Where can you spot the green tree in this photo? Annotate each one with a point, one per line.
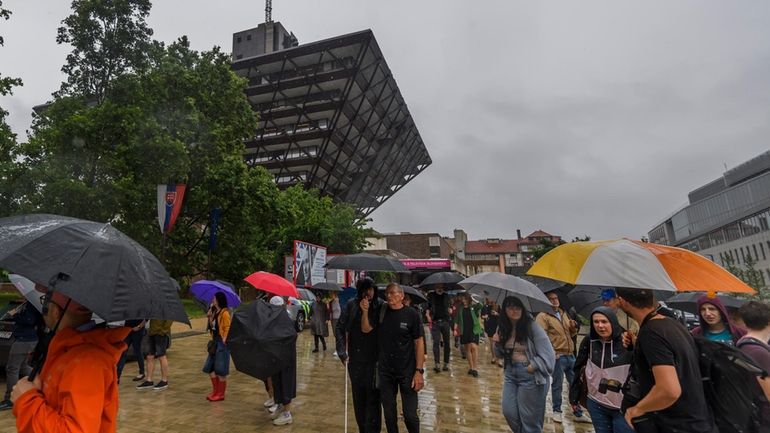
(8, 143)
(749, 274)
(544, 246)
(109, 39)
(585, 238)
(306, 216)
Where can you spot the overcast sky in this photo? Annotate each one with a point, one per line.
(590, 117)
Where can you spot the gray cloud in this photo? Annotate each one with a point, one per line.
(578, 118)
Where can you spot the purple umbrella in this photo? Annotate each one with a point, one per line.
(204, 291)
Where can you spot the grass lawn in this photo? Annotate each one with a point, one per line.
(192, 309)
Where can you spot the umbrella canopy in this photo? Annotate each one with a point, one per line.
(262, 339)
(328, 286)
(366, 262)
(204, 291)
(586, 298)
(272, 283)
(547, 285)
(27, 289)
(689, 302)
(417, 296)
(93, 263)
(448, 279)
(498, 286)
(636, 264)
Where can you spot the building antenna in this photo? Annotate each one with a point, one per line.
(268, 11)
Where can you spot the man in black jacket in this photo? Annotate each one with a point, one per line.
(359, 351)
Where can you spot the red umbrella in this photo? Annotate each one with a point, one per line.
(272, 283)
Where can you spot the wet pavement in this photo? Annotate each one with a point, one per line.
(451, 401)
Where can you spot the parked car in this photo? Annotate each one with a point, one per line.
(6, 330)
(299, 309)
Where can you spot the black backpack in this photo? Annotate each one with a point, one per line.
(730, 385)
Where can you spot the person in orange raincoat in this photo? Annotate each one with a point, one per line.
(77, 389)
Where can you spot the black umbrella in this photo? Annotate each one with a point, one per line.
(92, 263)
(689, 302)
(548, 285)
(417, 296)
(328, 286)
(262, 339)
(448, 279)
(586, 298)
(366, 262)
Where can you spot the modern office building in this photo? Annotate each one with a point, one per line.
(727, 219)
(331, 116)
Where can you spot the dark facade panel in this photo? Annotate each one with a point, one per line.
(338, 98)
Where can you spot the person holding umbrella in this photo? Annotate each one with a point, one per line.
(560, 329)
(217, 364)
(358, 351)
(468, 328)
(77, 388)
(529, 362)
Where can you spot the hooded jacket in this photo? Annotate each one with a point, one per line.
(735, 331)
(603, 360)
(79, 384)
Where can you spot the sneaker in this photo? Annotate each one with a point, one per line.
(161, 385)
(474, 373)
(270, 402)
(556, 417)
(6, 404)
(315, 350)
(470, 372)
(437, 369)
(273, 409)
(581, 418)
(500, 364)
(283, 419)
(137, 378)
(145, 385)
(276, 411)
(445, 367)
(334, 354)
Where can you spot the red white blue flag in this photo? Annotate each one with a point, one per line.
(169, 205)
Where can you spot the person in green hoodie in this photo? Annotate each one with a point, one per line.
(468, 328)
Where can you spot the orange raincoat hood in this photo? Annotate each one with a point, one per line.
(79, 384)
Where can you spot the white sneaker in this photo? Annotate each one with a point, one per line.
(335, 353)
(582, 418)
(556, 417)
(275, 411)
(270, 402)
(283, 419)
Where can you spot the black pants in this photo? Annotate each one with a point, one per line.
(319, 337)
(440, 332)
(366, 398)
(390, 385)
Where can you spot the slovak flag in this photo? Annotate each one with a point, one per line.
(169, 205)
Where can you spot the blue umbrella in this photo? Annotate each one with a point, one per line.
(204, 291)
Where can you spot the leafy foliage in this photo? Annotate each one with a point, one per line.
(750, 275)
(134, 114)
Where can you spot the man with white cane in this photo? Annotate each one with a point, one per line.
(359, 351)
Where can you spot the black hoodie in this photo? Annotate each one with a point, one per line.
(608, 361)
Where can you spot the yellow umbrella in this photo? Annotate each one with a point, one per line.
(628, 263)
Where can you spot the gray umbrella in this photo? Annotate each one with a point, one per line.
(498, 286)
(417, 296)
(689, 301)
(366, 262)
(448, 279)
(92, 263)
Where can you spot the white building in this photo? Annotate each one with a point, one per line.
(728, 217)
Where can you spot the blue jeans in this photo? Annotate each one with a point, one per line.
(564, 366)
(219, 362)
(607, 420)
(523, 399)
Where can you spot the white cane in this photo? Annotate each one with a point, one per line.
(346, 397)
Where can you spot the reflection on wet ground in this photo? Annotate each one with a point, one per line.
(451, 401)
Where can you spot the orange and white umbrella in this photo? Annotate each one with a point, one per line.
(642, 265)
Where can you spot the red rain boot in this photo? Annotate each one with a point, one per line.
(214, 388)
(220, 395)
